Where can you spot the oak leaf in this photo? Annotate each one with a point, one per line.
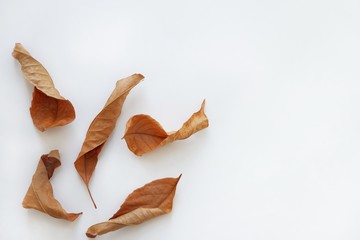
(101, 128)
(48, 108)
(40, 193)
(151, 200)
(144, 134)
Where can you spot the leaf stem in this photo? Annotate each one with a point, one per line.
(92, 199)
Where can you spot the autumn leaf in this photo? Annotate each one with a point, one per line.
(144, 134)
(101, 128)
(48, 108)
(40, 194)
(152, 200)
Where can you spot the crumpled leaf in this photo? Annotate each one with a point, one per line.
(40, 194)
(48, 108)
(144, 134)
(152, 200)
(101, 128)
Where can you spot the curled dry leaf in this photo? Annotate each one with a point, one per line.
(101, 128)
(152, 200)
(40, 194)
(144, 134)
(48, 108)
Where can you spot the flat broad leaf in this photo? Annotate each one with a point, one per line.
(40, 194)
(144, 134)
(48, 108)
(101, 128)
(152, 200)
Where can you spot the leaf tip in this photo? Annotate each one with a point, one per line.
(203, 105)
(74, 216)
(89, 235)
(139, 75)
(54, 153)
(138, 153)
(18, 46)
(24, 203)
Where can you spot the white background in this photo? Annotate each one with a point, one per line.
(281, 158)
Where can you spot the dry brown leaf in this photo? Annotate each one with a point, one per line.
(48, 108)
(152, 200)
(144, 134)
(101, 128)
(40, 194)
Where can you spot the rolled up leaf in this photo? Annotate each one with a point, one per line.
(40, 193)
(101, 128)
(144, 134)
(48, 108)
(152, 200)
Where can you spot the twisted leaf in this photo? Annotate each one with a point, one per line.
(48, 108)
(40, 194)
(144, 134)
(101, 128)
(152, 200)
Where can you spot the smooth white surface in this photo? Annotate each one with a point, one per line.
(280, 159)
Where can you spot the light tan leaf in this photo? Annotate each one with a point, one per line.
(144, 134)
(101, 128)
(40, 194)
(48, 108)
(152, 200)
